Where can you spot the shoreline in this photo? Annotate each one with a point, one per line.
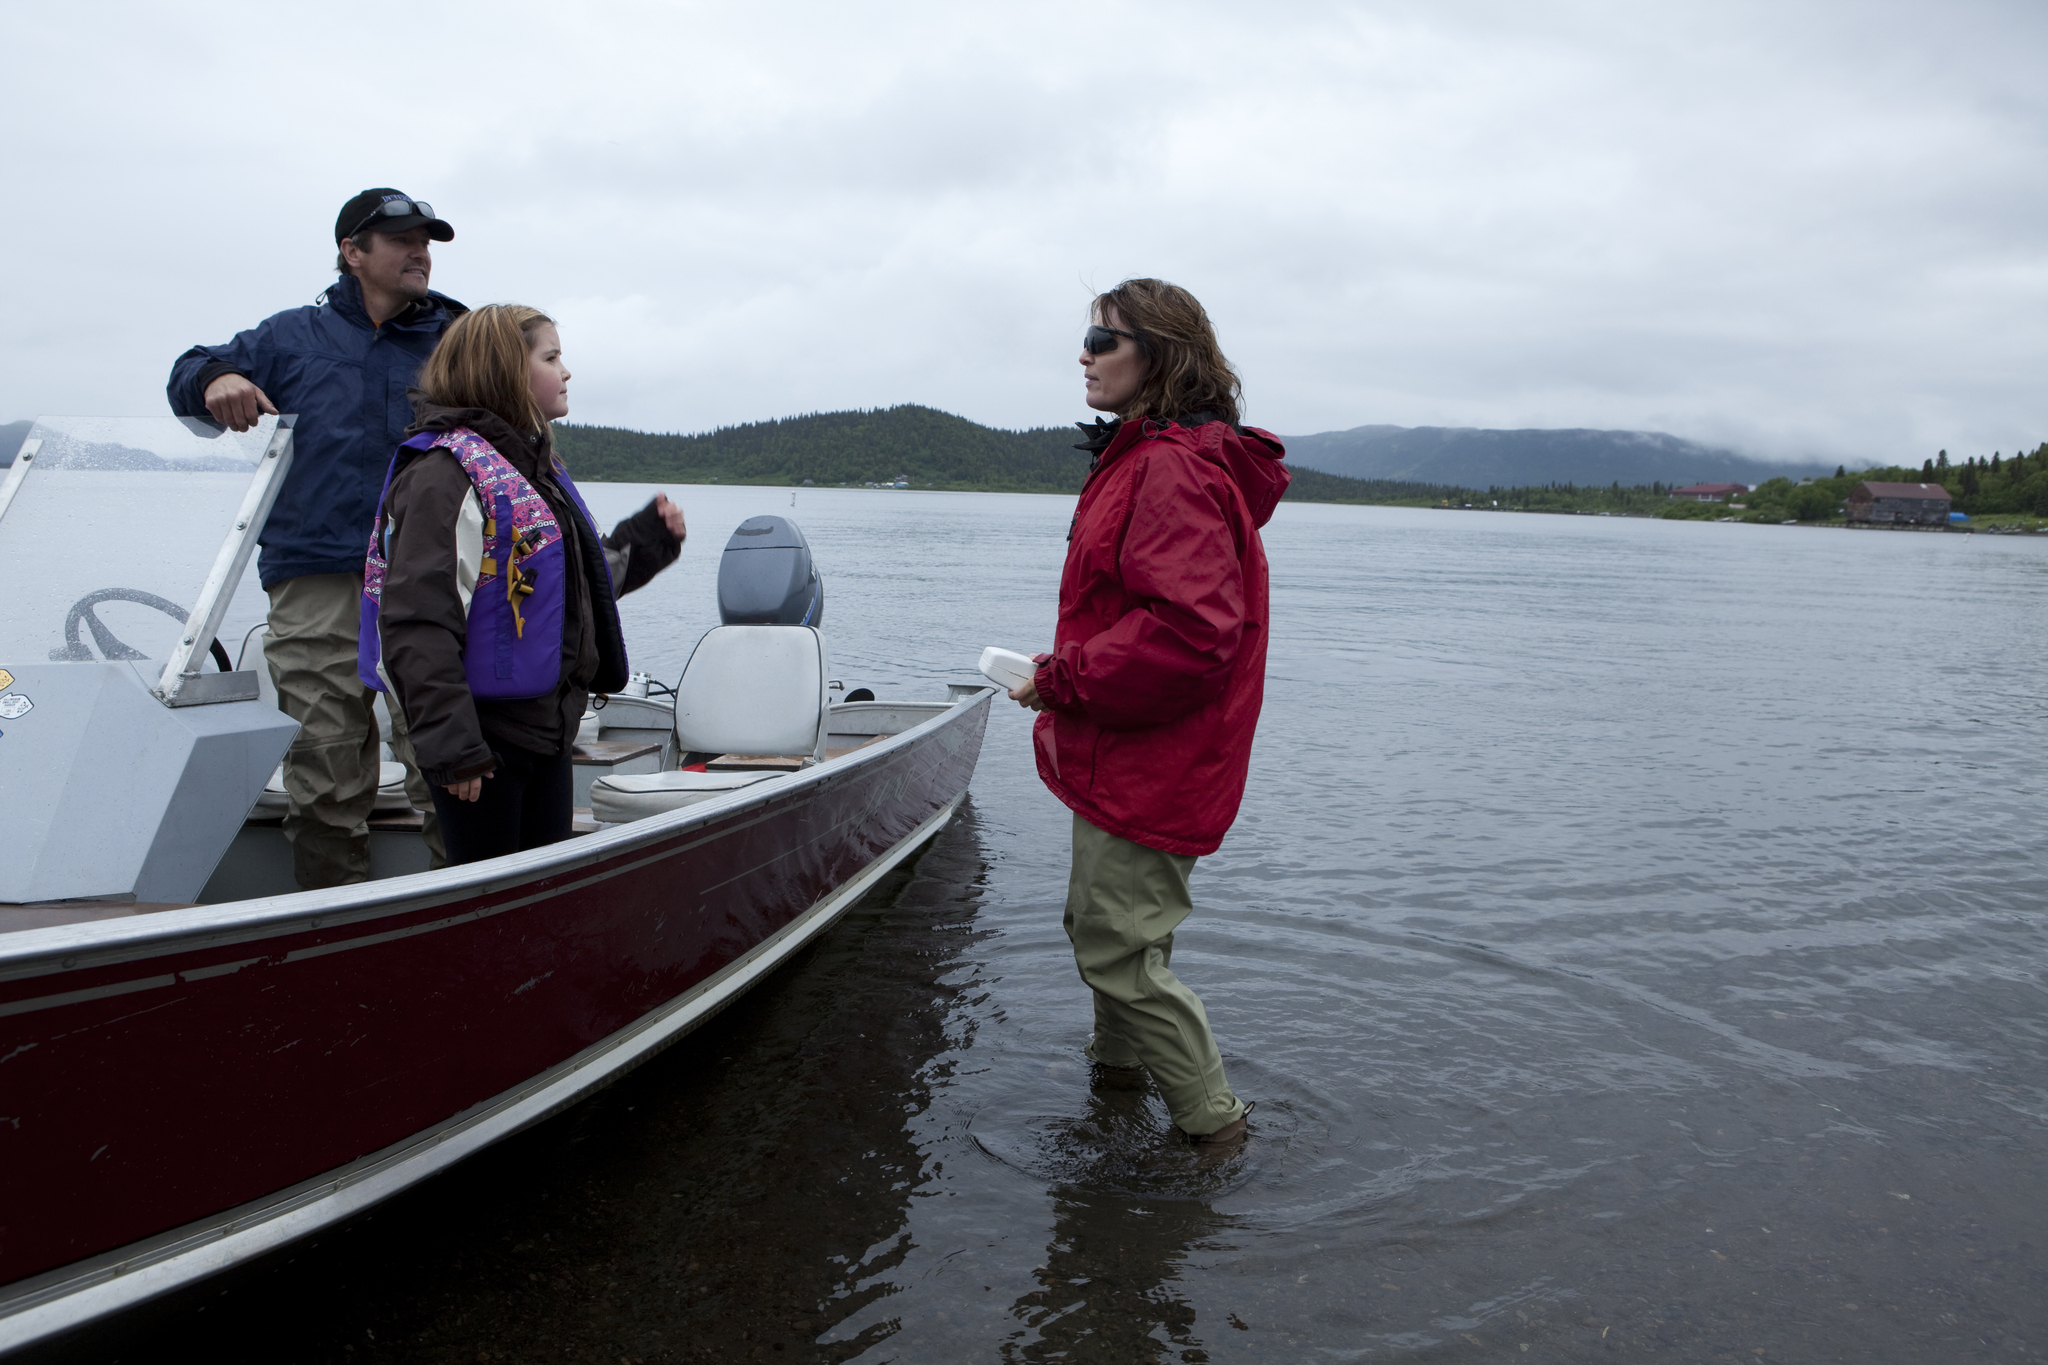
(2038, 526)
(1974, 527)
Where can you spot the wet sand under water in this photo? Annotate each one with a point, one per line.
(1628, 959)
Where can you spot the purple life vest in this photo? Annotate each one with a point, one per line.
(515, 607)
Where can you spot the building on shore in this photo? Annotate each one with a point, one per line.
(1710, 492)
(1899, 504)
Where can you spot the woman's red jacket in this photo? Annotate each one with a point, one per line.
(1159, 659)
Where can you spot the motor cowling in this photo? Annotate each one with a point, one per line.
(767, 577)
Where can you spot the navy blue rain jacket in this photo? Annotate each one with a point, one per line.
(347, 381)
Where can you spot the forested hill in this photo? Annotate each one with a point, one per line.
(931, 449)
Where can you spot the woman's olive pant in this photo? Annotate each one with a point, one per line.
(1124, 901)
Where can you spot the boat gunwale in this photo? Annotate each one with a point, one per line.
(70, 948)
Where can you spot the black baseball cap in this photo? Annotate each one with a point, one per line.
(389, 210)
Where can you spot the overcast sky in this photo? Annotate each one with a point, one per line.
(1797, 229)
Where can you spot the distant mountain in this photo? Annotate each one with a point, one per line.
(1471, 457)
(61, 451)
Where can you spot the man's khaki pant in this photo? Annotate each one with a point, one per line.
(1123, 903)
(330, 772)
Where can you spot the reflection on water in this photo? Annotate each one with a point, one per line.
(1633, 939)
(1110, 1287)
(1129, 1203)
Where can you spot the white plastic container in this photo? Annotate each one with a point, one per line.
(1006, 668)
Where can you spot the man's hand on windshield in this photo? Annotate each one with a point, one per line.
(236, 403)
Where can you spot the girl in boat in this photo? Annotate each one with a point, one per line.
(489, 598)
(1151, 693)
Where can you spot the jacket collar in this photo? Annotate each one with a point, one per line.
(1122, 436)
(1103, 433)
(1098, 435)
(524, 452)
(432, 313)
(345, 297)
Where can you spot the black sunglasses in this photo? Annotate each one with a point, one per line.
(1102, 340)
(394, 208)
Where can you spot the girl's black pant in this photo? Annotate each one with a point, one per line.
(526, 803)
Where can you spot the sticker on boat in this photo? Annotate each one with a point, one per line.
(14, 706)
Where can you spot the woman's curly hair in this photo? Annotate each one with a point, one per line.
(1187, 371)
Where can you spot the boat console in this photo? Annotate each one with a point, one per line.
(130, 749)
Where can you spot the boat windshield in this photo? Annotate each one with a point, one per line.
(111, 527)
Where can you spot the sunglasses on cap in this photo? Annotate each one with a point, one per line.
(394, 208)
(1100, 340)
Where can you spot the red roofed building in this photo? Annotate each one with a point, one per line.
(1711, 492)
(1899, 504)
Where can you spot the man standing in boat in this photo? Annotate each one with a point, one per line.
(344, 364)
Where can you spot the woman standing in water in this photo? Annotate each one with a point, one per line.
(1150, 696)
(489, 606)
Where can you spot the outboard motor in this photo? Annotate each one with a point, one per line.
(766, 577)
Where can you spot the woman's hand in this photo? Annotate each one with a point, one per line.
(465, 791)
(1026, 694)
(671, 517)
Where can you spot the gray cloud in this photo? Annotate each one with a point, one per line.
(1799, 229)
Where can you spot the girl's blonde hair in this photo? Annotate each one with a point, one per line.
(482, 362)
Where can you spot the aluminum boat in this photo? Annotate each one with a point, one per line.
(200, 1063)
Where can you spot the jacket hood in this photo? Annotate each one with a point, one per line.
(1251, 456)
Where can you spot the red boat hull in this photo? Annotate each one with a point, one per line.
(158, 1070)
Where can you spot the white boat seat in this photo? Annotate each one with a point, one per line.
(747, 691)
(754, 690)
(619, 800)
(391, 797)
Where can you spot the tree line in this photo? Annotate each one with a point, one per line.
(1977, 487)
(929, 448)
(1989, 487)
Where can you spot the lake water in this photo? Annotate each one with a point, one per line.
(1633, 938)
